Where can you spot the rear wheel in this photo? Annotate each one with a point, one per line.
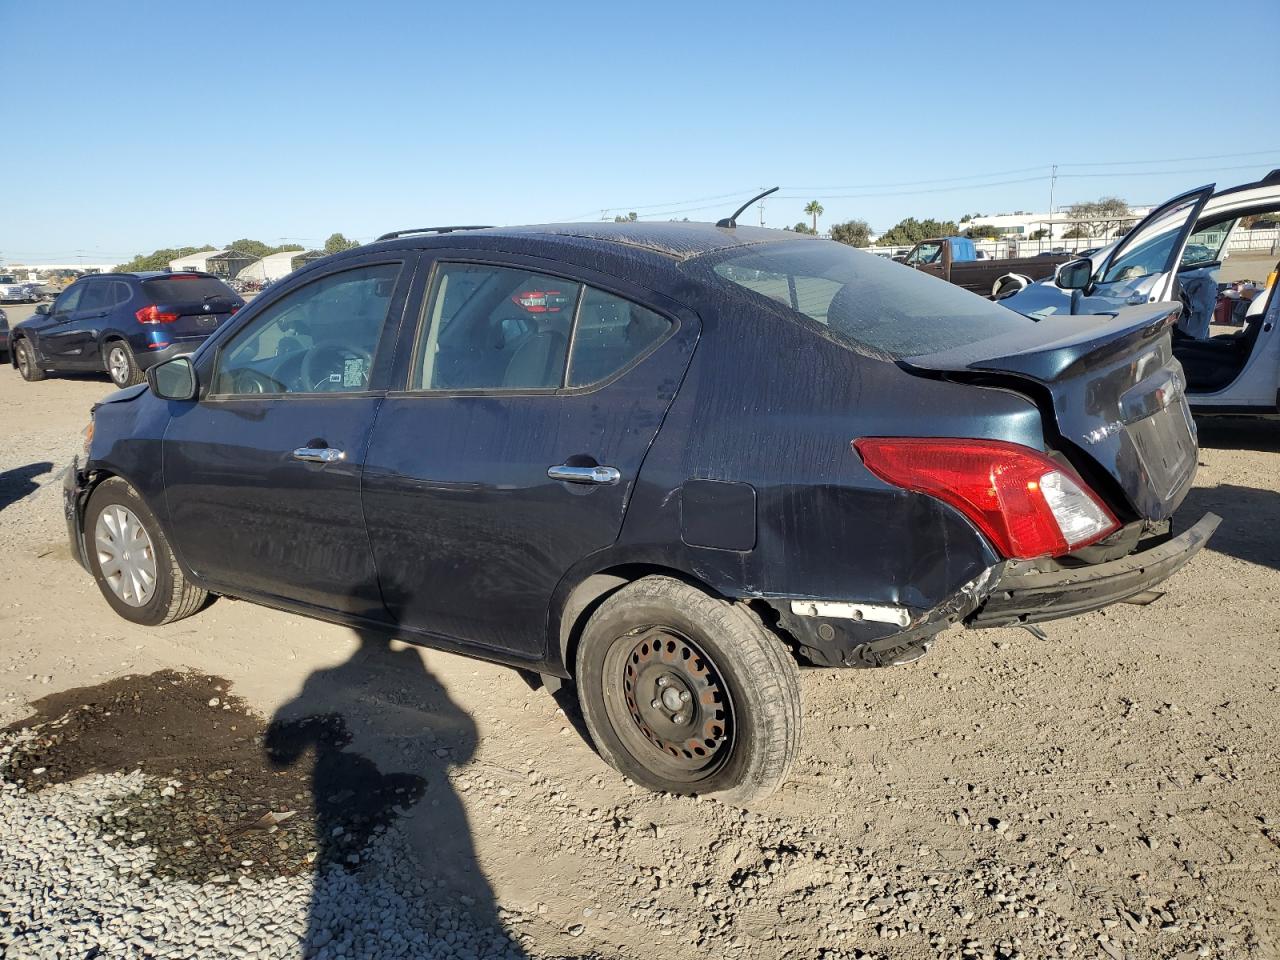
(131, 560)
(687, 693)
(26, 360)
(121, 365)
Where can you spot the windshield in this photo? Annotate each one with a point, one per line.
(862, 299)
(8, 278)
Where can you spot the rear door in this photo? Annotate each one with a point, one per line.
(531, 395)
(1141, 267)
(262, 472)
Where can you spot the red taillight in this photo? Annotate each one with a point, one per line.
(183, 276)
(1028, 505)
(152, 314)
(540, 301)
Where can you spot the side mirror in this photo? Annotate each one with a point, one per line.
(1075, 274)
(43, 309)
(173, 380)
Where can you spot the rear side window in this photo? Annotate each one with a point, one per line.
(503, 328)
(96, 296)
(186, 289)
(611, 332)
(862, 299)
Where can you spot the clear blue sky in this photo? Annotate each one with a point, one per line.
(164, 124)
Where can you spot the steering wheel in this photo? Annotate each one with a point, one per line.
(325, 360)
(246, 380)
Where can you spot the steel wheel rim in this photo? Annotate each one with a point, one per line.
(126, 556)
(671, 707)
(24, 362)
(118, 364)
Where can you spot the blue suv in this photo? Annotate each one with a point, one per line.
(122, 323)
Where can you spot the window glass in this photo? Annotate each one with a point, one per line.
(187, 288)
(122, 292)
(320, 338)
(1150, 251)
(925, 253)
(861, 298)
(97, 296)
(69, 299)
(611, 333)
(494, 328)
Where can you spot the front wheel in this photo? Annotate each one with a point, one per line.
(686, 693)
(26, 360)
(121, 365)
(131, 560)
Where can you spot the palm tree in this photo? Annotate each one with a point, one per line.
(815, 208)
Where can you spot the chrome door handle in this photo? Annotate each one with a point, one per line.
(584, 474)
(318, 454)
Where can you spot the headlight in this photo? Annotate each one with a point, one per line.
(88, 439)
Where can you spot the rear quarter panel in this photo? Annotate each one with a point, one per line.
(772, 404)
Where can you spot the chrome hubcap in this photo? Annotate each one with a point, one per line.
(125, 555)
(119, 364)
(24, 362)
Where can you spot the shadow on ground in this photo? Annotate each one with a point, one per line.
(21, 482)
(1239, 433)
(1250, 528)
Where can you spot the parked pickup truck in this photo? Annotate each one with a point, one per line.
(955, 259)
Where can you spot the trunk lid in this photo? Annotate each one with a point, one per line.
(1113, 389)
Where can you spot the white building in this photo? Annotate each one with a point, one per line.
(271, 267)
(194, 261)
(1024, 225)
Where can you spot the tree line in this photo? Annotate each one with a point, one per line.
(160, 259)
(1091, 219)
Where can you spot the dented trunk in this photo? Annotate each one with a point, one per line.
(1111, 390)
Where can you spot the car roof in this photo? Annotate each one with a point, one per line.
(149, 274)
(678, 241)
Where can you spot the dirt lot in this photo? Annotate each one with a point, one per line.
(1112, 791)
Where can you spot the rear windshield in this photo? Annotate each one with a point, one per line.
(863, 299)
(179, 289)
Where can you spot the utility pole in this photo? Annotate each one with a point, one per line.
(761, 206)
(1053, 182)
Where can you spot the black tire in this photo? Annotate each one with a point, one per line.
(25, 357)
(742, 732)
(121, 365)
(173, 596)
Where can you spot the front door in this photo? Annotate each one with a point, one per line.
(62, 339)
(262, 473)
(531, 400)
(1141, 267)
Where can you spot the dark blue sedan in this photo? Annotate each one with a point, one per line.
(666, 461)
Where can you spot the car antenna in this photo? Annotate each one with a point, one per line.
(733, 220)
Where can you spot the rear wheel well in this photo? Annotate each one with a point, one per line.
(587, 596)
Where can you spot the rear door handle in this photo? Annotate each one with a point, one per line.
(318, 454)
(584, 474)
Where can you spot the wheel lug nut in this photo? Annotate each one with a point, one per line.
(657, 704)
(684, 696)
(663, 681)
(678, 718)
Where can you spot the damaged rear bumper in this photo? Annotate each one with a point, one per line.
(1030, 597)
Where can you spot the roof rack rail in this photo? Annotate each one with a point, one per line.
(404, 233)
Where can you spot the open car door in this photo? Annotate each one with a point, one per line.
(1141, 267)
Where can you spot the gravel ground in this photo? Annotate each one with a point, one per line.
(1113, 791)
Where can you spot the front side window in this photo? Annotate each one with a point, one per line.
(320, 338)
(494, 328)
(69, 299)
(1150, 251)
(925, 253)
